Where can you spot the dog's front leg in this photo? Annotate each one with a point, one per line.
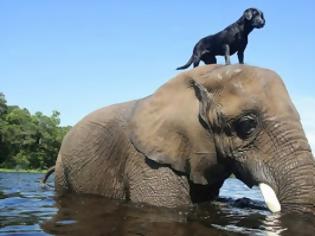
(227, 54)
(240, 55)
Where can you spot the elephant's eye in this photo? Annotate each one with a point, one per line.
(246, 125)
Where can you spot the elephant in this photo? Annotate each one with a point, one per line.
(177, 146)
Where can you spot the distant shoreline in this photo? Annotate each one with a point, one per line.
(6, 170)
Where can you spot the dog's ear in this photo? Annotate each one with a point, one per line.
(248, 14)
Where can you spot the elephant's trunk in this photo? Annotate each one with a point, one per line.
(297, 185)
(294, 183)
(288, 177)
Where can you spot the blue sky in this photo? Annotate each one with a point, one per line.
(77, 56)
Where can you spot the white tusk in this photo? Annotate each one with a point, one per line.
(270, 197)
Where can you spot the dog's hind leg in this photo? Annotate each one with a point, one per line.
(196, 62)
(209, 59)
(227, 54)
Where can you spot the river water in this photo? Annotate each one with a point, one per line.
(28, 209)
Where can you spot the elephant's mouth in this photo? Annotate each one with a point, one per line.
(261, 178)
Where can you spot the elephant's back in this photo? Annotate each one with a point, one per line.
(98, 121)
(120, 111)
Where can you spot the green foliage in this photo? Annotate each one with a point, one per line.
(28, 141)
(3, 104)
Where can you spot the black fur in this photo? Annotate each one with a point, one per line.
(228, 41)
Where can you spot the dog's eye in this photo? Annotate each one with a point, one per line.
(246, 125)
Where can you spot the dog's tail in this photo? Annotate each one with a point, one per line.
(191, 60)
(49, 172)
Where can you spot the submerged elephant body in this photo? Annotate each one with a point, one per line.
(113, 167)
(177, 146)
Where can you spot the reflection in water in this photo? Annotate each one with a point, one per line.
(26, 208)
(99, 216)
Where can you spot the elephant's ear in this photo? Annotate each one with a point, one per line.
(171, 127)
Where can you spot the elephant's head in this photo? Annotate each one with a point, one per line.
(215, 119)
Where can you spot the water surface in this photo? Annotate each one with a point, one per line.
(28, 209)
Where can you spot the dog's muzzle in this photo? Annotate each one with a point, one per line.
(259, 23)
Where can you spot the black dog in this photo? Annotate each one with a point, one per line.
(225, 43)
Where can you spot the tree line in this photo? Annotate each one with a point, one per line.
(28, 141)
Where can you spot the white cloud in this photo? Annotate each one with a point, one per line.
(306, 108)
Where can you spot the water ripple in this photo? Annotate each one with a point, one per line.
(28, 209)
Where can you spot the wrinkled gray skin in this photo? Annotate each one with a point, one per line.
(178, 146)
